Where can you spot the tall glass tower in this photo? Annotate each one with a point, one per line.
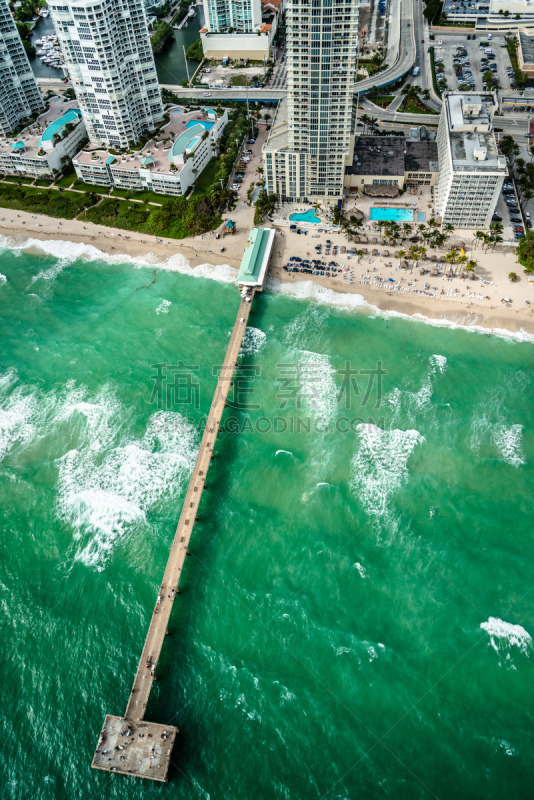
(311, 141)
(107, 52)
(20, 97)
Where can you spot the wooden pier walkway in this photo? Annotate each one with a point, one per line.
(150, 755)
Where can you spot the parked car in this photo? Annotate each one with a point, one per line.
(496, 218)
(251, 141)
(516, 219)
(207, 94)
(528, 223)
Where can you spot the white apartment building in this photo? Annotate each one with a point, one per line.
(471, 170)
(20, 97)
(168, 164)
(107, 52)
(243, 16)
(312, 139)
(42, 148)
(239, 29)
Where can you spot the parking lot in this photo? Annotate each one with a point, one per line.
(468, 71)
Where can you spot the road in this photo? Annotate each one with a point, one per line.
(405, 54)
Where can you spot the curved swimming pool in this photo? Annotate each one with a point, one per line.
(305, 216)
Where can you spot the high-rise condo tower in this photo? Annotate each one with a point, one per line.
(20, 97)
(107, 52)
(312, 138)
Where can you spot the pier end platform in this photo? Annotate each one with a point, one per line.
(141, 749)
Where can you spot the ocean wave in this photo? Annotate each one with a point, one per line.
(504, 635)
(379, 468)
(417, 401)
(164, 307)
(308, 290)
(508, 439)
(17, 411)
(69, 252)
(107, 486)
(317, 385)
(253, 341)
(3, 279)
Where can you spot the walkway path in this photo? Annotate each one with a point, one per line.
(169, 587)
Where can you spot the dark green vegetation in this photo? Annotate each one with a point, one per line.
(66, 205)
(265, 204)
(25, 35)
(194, 52)
(433, 10)
(381, 100)
(176, 218)
(162, 36)
(511, 45)
(525, 252)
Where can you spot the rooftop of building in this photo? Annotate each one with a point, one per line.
(393, 155)
(472, 141)
(476, 151)
(50, 123)
(179, 135)
(527, 46)
(256, 257)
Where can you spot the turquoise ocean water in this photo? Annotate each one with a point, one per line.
(357, 611)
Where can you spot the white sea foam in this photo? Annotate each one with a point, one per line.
(417, 401)
(379, 468)
(18, 408)
(288, 452)
(308, 290)
(164, 307)
(508, 439)
(361, 570)
(253, 341)
(3, 279)
(504, 635)
(502, 744)
(105, 487)
(73, 251)
(317, 386)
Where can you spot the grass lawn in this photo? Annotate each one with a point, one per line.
(381, 100)
(146, 196)
(67, 180)
(205, 179)
(16, 179)
(412, 107)
(90, 187)
(42, 182)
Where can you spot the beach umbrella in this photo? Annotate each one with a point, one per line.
(374, 252)
(385, 253)
(343, 249)
(435, 271)
(404, 265)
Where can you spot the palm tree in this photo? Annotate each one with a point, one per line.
(448, 227)
(478, 236)
(402, 254)
(470, 266)
(366, 119)
(422, 252)
(452, 257)
(406, 230)
(462, 259)
(414, 253)
(432, 223)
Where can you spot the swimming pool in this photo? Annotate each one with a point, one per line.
(176, 111)
(305, 216)
(392, 214)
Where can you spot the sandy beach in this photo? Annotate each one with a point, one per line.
(464, 302)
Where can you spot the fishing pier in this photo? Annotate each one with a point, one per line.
(130, 745)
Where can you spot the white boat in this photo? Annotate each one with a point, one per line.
(38, 41)
(44, 12)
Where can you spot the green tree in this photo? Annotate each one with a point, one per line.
(525, 252)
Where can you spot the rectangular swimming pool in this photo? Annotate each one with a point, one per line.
(392, 214)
